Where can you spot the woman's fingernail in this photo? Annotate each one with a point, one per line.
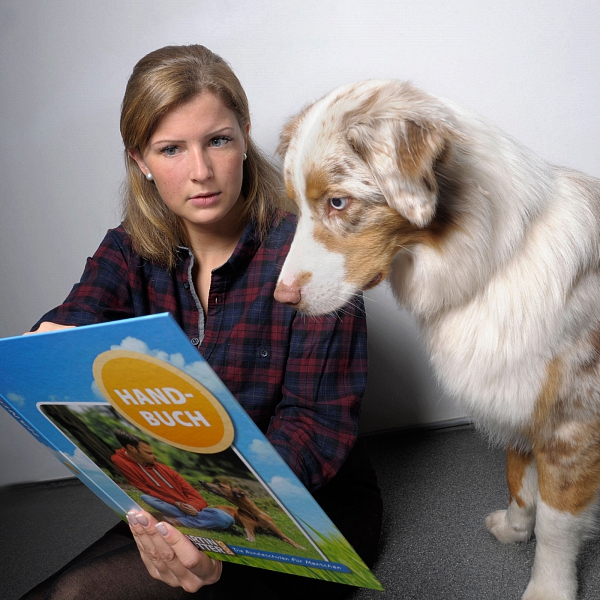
(142, 520)
(131, 518)
(162, 529)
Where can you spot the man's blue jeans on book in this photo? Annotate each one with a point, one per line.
(207, 518)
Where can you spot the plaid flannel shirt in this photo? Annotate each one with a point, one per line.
(301, 379)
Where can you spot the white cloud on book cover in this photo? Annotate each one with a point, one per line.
(199, 370)
(263, 451)
(284, 487)
(16, 399)
(97, 391)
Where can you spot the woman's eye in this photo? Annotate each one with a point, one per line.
(220, 141)
(169, 150)
(338, 203)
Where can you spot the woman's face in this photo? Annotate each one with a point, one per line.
(196, 159)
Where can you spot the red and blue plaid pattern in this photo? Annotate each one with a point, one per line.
(301, 379)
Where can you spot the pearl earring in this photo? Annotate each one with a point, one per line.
(245, 156)
(149, 176)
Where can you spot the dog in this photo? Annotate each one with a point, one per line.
(247, 515)
(496, 254)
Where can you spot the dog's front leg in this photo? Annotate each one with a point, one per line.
(558, 536)
(517, 522)
(568, 477)
(249, 527)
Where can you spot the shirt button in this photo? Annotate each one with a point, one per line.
(195, 341)
(264, 353)
(186, 285)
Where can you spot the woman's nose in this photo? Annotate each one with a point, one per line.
(201, 168)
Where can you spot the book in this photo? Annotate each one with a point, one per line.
(77, 390)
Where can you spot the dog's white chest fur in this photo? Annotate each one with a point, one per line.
(492, 350)
(495, 370)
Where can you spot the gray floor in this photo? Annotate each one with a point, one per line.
(437, 485)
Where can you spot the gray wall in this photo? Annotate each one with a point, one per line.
(532, 67)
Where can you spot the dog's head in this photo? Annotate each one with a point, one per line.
(224, 490)
(361, 165)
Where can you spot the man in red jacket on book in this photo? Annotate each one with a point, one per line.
(164, 489)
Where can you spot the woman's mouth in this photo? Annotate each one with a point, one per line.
(205, 199)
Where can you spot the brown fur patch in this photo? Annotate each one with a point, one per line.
(516, 466)
(590, 366)
(569, 469)
(358, 114)
(290, 191)
(342, 169)
(317, 183)
(381, 232)
(417, 151)
(370, 234)
(545, 409)
(303, 278)
(567, 450)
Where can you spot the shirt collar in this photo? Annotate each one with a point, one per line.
(244, 251)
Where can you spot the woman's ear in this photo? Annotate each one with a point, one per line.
(246, 134)
(139, 159)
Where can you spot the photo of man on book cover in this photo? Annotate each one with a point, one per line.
(164, 489)
(216, 493)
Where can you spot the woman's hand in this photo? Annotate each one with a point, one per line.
(170, 556)
(46, 326)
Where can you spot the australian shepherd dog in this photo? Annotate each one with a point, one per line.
(496, 254)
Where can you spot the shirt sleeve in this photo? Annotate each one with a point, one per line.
(316, 423)
(104, 291)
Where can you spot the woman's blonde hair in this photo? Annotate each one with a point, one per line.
(161, 81)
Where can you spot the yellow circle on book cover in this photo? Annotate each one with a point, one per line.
(163, 401)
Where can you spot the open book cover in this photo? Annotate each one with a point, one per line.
(79, 391)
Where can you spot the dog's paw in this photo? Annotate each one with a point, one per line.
(548, 591)
(508, 533)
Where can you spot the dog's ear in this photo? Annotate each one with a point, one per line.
(401, 155)
(238, 493)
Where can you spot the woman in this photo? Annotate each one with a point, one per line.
(203, 237)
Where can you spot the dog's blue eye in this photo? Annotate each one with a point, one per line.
(338, 203)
